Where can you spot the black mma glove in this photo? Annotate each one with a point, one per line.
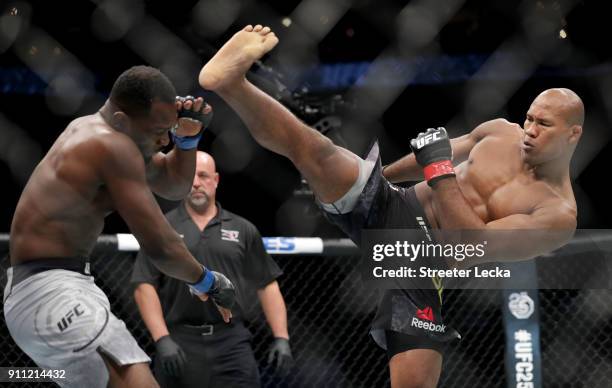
(191, 142)
(222, 291)
(433, 152)
(217, 286)
(281, 352)
(170, 356)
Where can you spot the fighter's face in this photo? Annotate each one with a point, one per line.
(204, 187)
(546, 133)
(151, 132)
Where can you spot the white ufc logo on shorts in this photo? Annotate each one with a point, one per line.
(429, 138)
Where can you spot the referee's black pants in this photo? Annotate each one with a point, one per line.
(223, 359)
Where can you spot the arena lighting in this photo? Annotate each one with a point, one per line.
(562, 34)
(286, 22)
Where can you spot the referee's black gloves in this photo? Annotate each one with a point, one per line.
(280, 355)
(171, 356)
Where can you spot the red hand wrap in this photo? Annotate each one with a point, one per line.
(436, 169)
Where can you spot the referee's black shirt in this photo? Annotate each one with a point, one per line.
(229, 244)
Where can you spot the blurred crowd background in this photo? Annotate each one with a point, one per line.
(355, 69)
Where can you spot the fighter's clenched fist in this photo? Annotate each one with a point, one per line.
(219, 288)
(194, 116)
(432, 150)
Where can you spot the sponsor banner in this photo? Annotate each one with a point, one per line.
(273, 245)
(293, 245)
(521, 323)
(475, 259)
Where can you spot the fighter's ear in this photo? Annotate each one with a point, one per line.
(120, 121)
(576, 132)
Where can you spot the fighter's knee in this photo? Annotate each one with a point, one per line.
(414, 380)
(312, 151)
(411, 373)
(128, 376)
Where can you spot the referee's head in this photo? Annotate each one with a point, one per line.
(205, 181)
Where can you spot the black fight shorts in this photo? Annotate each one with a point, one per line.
(406, 318)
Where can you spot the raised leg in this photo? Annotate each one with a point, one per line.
(330, 170)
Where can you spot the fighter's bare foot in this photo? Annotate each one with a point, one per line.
(234, 59)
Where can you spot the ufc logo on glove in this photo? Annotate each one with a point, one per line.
(428, 138)
(432, 150)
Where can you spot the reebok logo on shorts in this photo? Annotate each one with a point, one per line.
(426, 313)
(425, 320)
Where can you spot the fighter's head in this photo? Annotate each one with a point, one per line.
(144, 99)
(204, 188)
(553, 126)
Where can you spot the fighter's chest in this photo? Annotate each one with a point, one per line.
(494, 182)
(492, 163)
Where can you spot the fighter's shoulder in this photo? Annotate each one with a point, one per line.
(112, 143)
(497, 127)
(111, 151)
(95, 132)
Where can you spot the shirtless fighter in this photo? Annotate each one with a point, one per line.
(103, 162)
(505, 177)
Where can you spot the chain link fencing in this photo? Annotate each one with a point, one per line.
(329, 313)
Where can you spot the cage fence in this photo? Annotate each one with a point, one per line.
(329, 312)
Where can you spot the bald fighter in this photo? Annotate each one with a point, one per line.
(107, 161)
(504, 177)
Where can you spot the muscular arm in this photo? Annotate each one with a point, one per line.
(171, 175)
(407, 169)
(150, 309)
(549, 226)
(123, 172)
(274, 309)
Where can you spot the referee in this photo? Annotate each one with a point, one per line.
(194, 347)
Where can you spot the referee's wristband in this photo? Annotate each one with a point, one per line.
(187, 143)
(205, 283)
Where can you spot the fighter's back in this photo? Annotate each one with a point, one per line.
(62, 208)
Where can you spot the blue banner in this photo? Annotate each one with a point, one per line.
(522, 326)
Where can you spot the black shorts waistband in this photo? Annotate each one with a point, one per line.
(28, 268)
